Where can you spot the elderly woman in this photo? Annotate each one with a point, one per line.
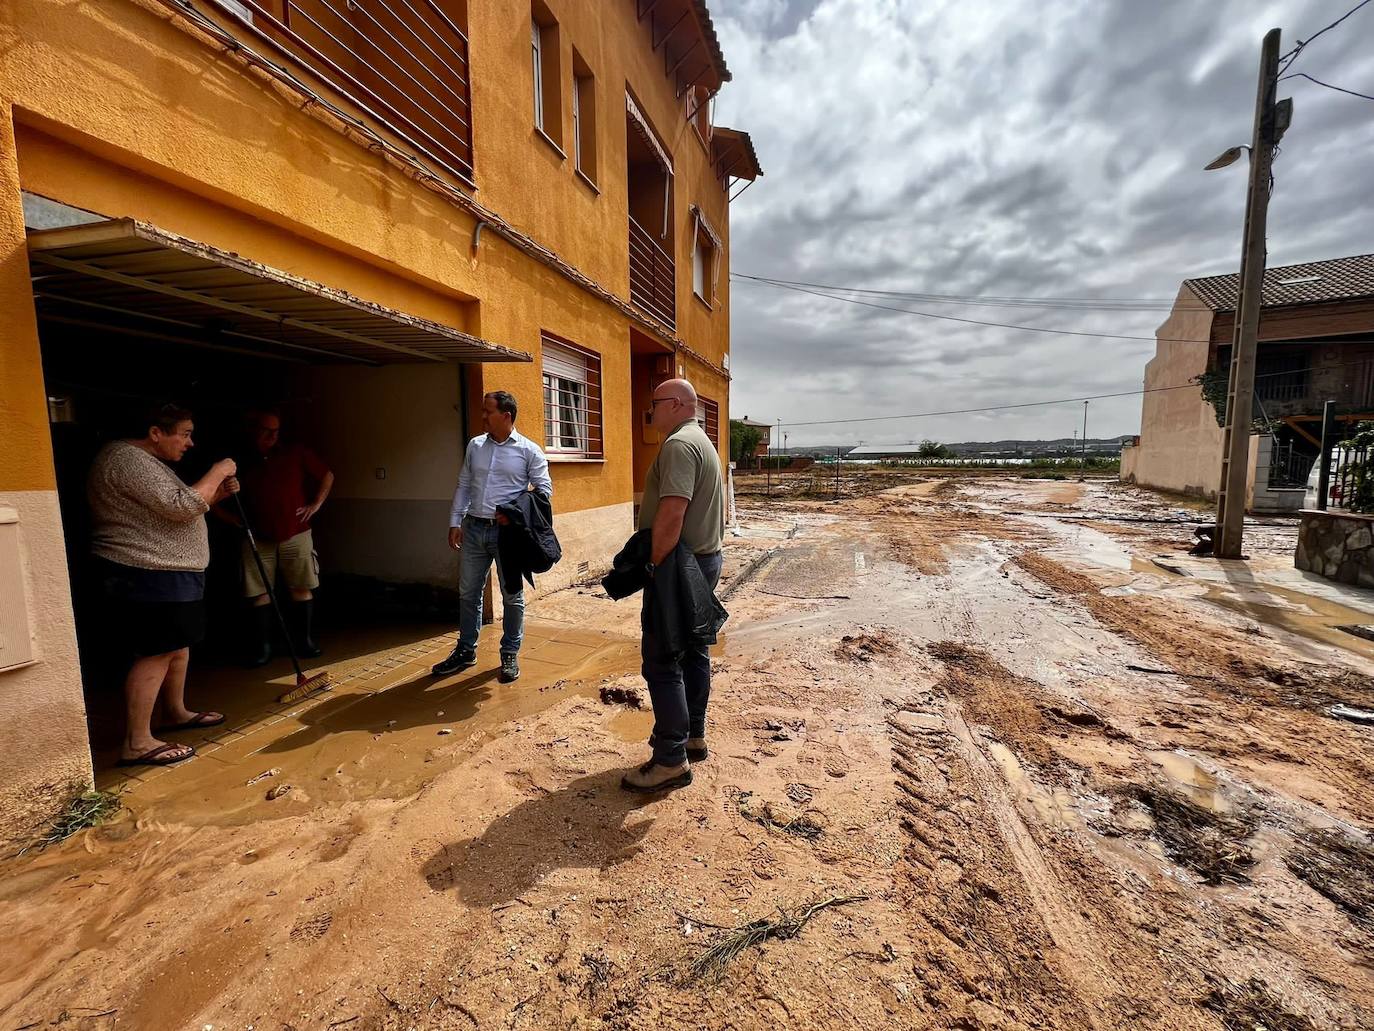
(150, 548)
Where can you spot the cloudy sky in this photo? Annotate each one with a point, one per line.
(978, 147)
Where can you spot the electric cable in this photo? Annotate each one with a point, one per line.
(976, 322)
(1038, 404)
(1292, 55)
(1074, 303)
(1338, 89)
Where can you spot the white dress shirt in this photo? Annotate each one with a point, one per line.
(497, 472)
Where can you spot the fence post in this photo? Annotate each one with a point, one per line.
(1324, 473)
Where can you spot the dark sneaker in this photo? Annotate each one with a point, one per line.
(510, 670)
(461, 659)
(696, 748)
(652, 777)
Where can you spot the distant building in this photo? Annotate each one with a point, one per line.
(1316, 344)
(765, 435)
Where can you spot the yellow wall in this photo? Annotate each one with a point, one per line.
(124, 112)
(117, 106)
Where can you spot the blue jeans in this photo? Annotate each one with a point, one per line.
(478, 553)
(679, 685)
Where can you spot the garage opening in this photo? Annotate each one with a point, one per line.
(130, 315)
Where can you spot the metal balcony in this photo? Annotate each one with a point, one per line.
(399, 65)
(653, 285)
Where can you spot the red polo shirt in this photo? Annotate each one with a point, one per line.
(275, 485)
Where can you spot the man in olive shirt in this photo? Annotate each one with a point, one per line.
(683, 501)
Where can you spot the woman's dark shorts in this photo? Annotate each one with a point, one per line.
(151, 611)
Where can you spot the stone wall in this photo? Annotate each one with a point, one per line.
(1337, 545)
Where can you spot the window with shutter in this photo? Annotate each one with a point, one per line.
(572, 399)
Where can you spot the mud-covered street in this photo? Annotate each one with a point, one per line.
(985, 753)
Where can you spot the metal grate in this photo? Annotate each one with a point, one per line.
(572, 399)
(402, 64)
(652, 277)
(1289, 467)
(708, 416)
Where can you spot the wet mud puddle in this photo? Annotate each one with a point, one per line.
(385, 744)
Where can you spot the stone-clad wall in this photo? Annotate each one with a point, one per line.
(1337, 545)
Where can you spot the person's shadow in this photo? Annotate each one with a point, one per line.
(400, 707)
(580, 825)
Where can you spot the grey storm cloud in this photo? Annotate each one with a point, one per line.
(972, 147)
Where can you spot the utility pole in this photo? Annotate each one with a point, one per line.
(1271, 119)
(1084, 456)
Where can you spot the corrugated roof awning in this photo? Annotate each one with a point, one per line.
(129, 277)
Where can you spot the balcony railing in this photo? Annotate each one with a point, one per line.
(653, 283)
(401, 65)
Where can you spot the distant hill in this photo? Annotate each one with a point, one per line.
(1057, 444)
(999, 448)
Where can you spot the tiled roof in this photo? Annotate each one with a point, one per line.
(1315, 282)
(712, 40)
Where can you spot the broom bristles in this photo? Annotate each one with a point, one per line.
(308, 685)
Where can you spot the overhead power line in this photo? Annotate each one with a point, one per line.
(1076, 303)
(1036, 404)
(968, 322)
(1338, 89)
(1292, 55)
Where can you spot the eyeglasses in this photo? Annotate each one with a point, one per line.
(659, 400)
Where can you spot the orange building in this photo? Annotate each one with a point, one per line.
(366, 212)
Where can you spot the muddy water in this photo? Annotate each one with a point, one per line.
(1202, 787)
(375, 744)
(1056, 808)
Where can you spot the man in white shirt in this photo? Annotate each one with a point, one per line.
(499, 466)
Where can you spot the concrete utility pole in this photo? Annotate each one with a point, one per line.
(1084, 456)
(1271, 119)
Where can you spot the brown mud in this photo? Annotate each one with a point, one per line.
(1012, 775)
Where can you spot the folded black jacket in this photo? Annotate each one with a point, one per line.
(679, 608)
(526, 544)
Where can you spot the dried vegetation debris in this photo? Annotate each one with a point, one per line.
(1338, 866)
(731, 942)
(1211, 844)
(1248, 1006)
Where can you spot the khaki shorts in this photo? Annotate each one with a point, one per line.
(294, 559)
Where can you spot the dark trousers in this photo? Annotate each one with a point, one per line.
(679, 684)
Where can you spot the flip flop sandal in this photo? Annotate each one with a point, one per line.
(159, 756)
(194, 723)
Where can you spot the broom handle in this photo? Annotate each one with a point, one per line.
(271, 594)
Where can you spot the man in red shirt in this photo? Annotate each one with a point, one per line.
(284, 485)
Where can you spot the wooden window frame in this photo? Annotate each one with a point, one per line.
(546, 63)
(584, 119)
(561, 409)
(708, 418)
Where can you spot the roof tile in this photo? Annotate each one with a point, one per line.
(1335, 279)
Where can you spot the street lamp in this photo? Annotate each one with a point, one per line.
(1227, 157)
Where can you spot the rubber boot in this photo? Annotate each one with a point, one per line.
(260, 627)
(305, 630)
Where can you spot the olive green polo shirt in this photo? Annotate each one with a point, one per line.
(687, 466)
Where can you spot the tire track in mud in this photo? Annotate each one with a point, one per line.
(972, 849)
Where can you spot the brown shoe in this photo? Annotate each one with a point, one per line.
(652, 777)
(696, 748)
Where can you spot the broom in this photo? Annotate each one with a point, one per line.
(304, 685)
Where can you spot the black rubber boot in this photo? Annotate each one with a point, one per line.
(305, 630)
(261, 626)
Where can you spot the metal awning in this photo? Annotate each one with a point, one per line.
(131, 278)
